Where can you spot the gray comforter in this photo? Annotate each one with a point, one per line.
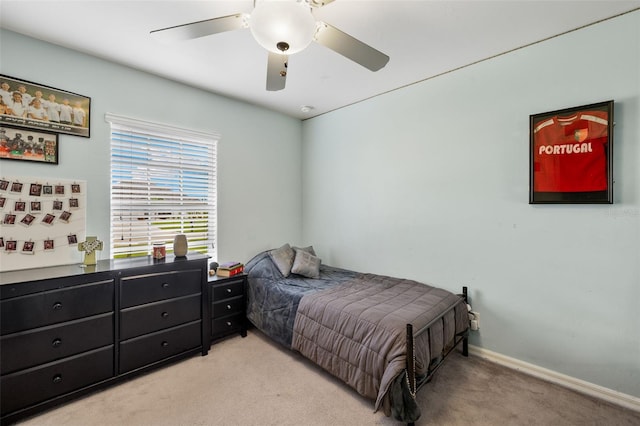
(354, 326)
(272, 300)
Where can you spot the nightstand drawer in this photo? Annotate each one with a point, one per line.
(227, 307)
(141, 289)
(56, 306)
(150, 348)
(230, 288)
(227, 324)
(158, 316)
(45, 344)
(34, 385)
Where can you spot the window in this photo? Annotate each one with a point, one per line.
(163, 183)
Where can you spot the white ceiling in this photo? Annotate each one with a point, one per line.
(423, 39)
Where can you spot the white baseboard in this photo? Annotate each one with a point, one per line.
(610, 395)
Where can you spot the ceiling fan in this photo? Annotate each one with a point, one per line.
(283, 27)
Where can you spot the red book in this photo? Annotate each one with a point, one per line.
(226, 272)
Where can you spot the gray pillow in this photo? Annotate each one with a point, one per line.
(283, 259)
(306, 264)
(309, 249)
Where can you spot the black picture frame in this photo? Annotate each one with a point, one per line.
(80, 107)
(571, 155)
(28, 145)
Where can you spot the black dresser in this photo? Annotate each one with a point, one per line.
(67, 330)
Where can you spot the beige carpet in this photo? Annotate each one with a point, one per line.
(253, 381)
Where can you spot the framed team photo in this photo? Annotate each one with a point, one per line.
(571, 155)
(28, 145)
(32, 105)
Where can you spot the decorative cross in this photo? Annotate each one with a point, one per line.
(89, 248)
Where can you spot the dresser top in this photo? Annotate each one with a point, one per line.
(102, 266)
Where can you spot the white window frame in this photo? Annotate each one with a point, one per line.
(171, 187)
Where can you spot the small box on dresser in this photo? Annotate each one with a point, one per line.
(228, 306)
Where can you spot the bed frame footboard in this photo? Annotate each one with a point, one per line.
(411, 360)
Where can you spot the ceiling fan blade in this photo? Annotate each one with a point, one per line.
(276, 71)
(350, 47)
(203, 28)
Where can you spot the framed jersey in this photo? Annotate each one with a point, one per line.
(571, 155)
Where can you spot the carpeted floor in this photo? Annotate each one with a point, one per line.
(253, 381)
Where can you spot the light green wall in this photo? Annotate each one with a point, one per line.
(258, 154)
(431, 182)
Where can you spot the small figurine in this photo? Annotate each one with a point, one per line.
(89, 248)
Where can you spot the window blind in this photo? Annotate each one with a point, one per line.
(163, 183)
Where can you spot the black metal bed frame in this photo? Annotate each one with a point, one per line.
(411, 360)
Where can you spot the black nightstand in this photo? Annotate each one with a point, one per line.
(228, 299)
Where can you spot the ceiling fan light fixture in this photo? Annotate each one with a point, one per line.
(276, 24)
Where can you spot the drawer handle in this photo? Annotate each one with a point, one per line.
(228, 307)
(164, 344)
(56, 343)
(229, 323)
(57, 306)
(164, 314)
(57, 378)
(165, 285)
(228, 290)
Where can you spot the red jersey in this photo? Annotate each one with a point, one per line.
(569, 153)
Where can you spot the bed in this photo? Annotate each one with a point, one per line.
(383, 336)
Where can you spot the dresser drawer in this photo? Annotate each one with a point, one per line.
(140, 289)
(35, 385)
(45, 344)
(150, 348)
(227, 324)
(56, 306)
(156, 316)
(226, 307)
(229, 288)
